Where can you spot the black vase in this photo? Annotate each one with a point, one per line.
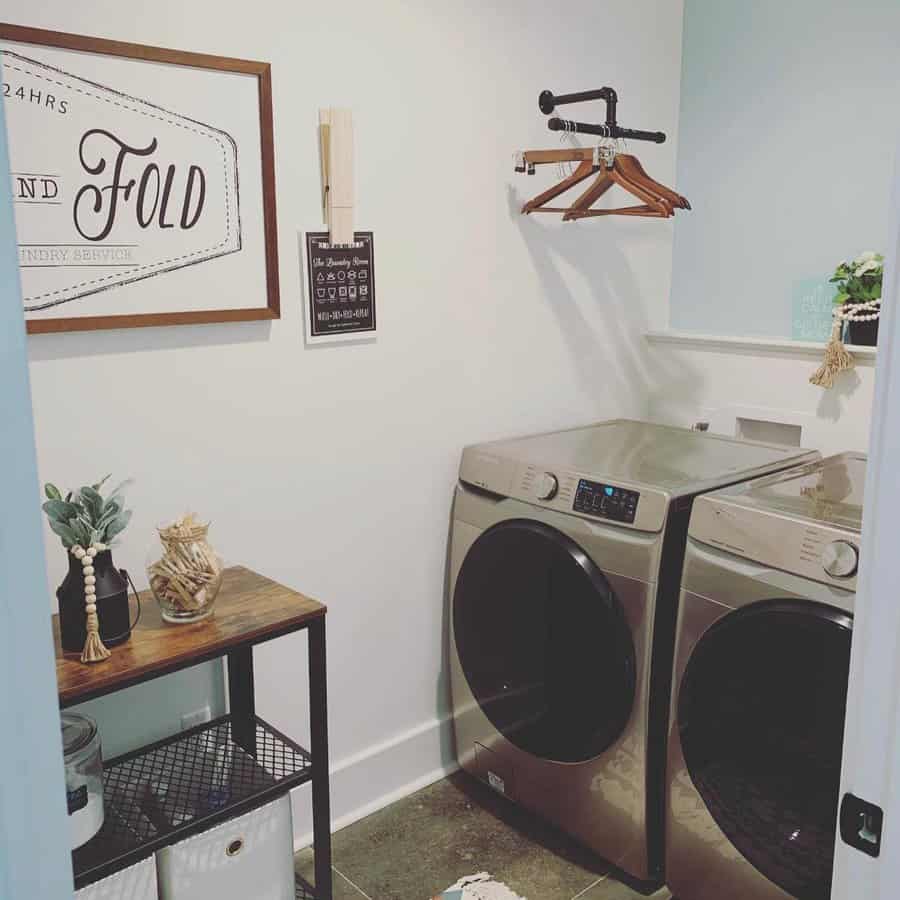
(863, 334)
(112, 604)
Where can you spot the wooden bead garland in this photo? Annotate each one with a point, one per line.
(94, 648)
(837, 358)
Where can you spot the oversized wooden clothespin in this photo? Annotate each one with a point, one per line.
(336, 147)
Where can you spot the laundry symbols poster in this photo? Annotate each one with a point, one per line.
(142, 187)
(340, 291)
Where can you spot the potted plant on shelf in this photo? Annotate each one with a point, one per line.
(858, 299)
(93, 598)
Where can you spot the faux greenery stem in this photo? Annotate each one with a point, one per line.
(84, 517)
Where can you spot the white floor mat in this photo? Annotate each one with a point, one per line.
(478, 887)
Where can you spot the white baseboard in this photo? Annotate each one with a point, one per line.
(378, 776)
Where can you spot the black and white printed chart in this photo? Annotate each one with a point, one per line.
(340, 287)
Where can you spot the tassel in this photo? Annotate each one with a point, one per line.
(837, 359)
(94, 648)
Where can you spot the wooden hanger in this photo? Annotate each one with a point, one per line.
(644, 210)
(631, 168)
(652, 201)
(584, 170)
(623, 170)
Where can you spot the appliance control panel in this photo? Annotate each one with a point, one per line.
(819, 552)
(606, 501)
(553, 487)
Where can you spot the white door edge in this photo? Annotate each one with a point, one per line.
(871, 766)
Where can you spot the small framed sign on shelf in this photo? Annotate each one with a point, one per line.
(143, 183)
(340, 288)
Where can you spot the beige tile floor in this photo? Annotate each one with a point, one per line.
(417, 847)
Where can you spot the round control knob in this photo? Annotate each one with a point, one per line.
(547, 486)
(840, 559)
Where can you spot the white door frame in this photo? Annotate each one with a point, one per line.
(871, 768)
(34, 831)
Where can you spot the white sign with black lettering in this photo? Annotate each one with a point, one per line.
(126, 169)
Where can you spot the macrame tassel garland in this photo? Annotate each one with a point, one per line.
(94, 648)
(837, 358)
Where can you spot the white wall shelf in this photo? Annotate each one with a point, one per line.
(753, 345)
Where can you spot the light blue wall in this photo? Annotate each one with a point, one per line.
(34, 842)
(148, 712)
(789, 115)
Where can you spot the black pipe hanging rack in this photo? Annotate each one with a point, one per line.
(548, 101)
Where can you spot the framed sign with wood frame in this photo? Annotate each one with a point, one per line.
(143, 183)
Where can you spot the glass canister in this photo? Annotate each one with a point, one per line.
(84, 776)
(184, 571)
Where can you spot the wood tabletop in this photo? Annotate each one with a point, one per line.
(249, 609)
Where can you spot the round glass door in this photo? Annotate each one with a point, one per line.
(543, 642)
(761, 720)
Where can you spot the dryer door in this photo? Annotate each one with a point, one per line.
(543, 642)
(761, 721)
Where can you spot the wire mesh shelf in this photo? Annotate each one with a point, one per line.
(184, 784)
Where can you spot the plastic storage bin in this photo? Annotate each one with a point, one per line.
(135, 883)
(250, 856)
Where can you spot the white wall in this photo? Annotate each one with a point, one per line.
(332, 469)
(719, 385)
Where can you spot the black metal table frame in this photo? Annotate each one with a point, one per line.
(242, 708)
(242, 705)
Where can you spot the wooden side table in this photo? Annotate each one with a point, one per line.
(169, 790)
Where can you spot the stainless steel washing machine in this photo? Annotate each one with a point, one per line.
(760, 685)
(566, 556)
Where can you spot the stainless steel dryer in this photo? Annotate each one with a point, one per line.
(760, 685)
(566, 556)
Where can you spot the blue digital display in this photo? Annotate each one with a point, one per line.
(606, 501)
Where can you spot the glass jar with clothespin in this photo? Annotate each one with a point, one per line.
(184, 571)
